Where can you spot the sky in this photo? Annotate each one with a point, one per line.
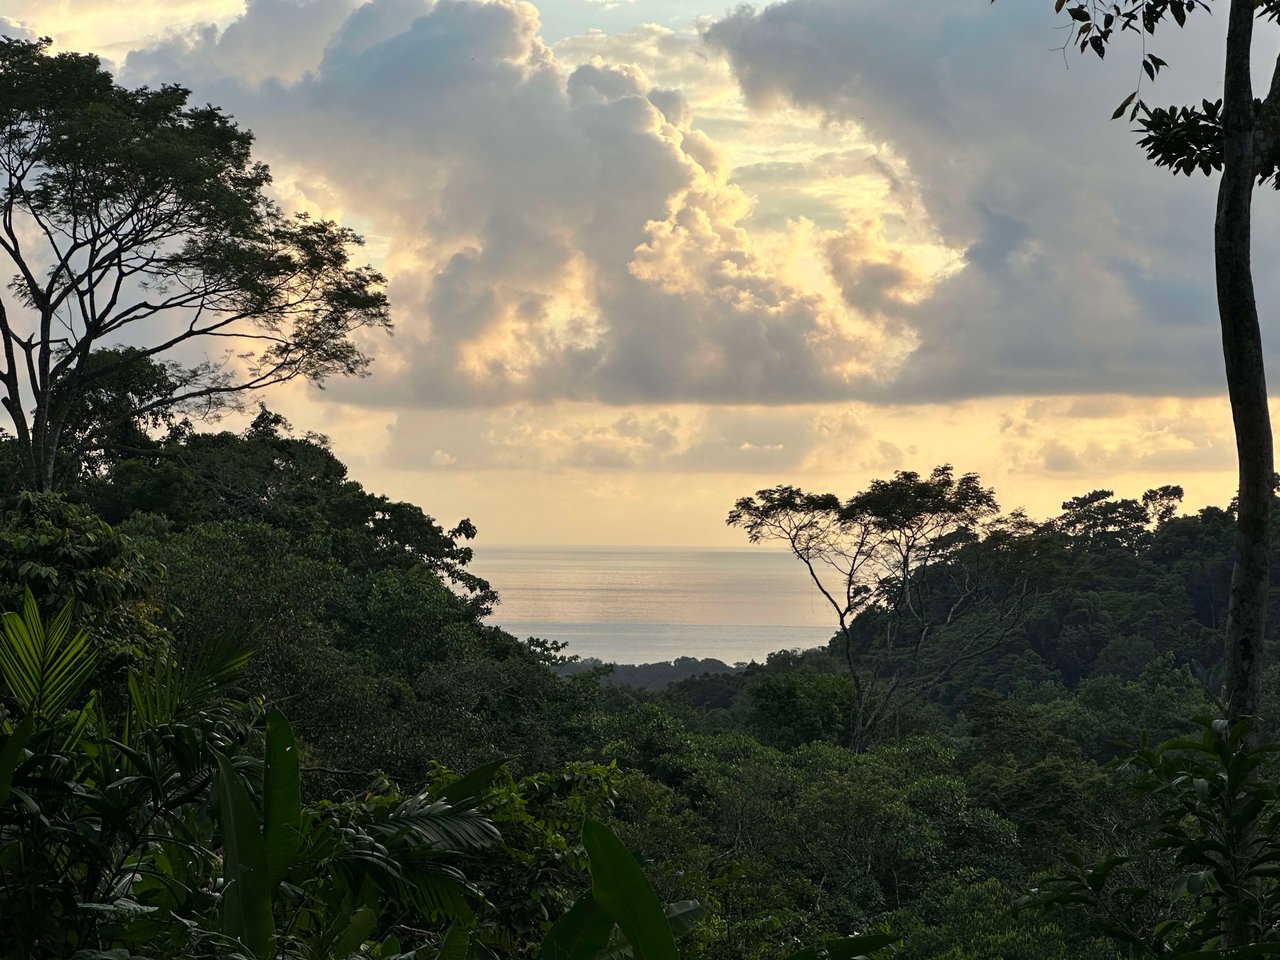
(648, 256)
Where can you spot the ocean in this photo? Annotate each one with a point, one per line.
(649, 604)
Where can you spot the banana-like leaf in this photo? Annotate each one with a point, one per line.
(846, 948)
(11, 753)
(622, 891)
(580, 934)
(355, 932)
(683, 915)
(281, 798)
(246, 894)
(456, 943)
(44, 667)
(466, 792)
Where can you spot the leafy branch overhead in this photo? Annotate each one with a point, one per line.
(1188, 138)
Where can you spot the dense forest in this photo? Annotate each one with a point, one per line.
(250, 709)
(253, 561)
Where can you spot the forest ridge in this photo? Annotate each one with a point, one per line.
(250, 709)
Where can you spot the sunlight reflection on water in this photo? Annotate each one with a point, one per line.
(641, 604)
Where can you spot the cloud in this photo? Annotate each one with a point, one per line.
(587, 437)
(886, 217)
(1085, 270)
(556, 223)
(16, 29)
(272, 40)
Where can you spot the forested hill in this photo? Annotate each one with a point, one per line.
(735, 788)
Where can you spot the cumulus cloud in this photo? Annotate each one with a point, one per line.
(16, 29)
(815, 243)
(272, 39)
(1085, 270)
(557, 225)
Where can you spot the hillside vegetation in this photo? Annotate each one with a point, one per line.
(254, 559)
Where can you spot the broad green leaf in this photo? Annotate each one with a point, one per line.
(354, 934)
(465, 791)
(623, 892)
(456, 943)
(683, 915)
(246, 894)
(581, 934)
(281, 797)
(11, 753)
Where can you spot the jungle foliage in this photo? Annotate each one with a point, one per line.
(219, 583)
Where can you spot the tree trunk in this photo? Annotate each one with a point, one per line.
(1246, 378)
(1247, 386)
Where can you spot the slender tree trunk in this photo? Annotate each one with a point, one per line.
(1246, 378)
(1247, 386)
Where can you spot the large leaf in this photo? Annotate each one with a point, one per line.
(281, 797)
(11, 753)
(44, 667)
(456, 943)
(246, 894)
(622, 891)
(683, 915)
(466, 791)
(354, 933)
(581, 934)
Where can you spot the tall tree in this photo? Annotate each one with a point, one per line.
(922, 574)
(132, 219)
(1240, 137)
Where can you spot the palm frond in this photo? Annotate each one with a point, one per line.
(176, 688)
(44, 667)
(441, 826)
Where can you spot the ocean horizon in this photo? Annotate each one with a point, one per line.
(650, 604)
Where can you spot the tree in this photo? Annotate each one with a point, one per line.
(1240, 137)
(921, 572)
(1098, 521)
(133, 219)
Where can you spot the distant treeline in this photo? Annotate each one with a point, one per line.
(649, 676)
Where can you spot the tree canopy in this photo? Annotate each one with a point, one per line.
(132, 219)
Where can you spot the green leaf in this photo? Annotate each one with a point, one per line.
(11, 753)
(581, 934)
(455, 944)
(354, 934)
(281, 797)
(683, 915)
(466, 791)
(44, 667)
(1124, 104)
(246, 894)
(621, 890)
